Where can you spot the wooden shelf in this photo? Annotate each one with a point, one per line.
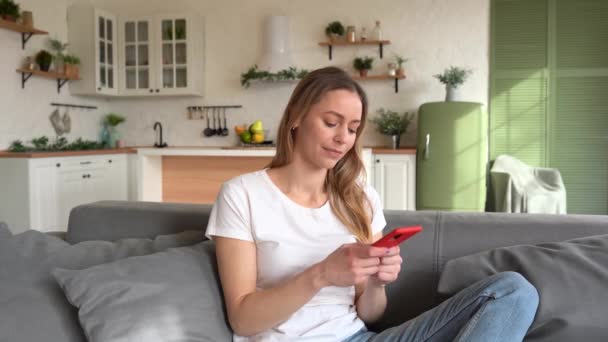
(61, 78)
(381, 77)
(380, 44)
(359, 42)
(26, 32)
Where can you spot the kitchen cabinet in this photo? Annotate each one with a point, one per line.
(395, 180)
(151, 55)
(159, 56)
(41, 192)
(92, 35)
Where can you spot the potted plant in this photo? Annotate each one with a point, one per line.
(391, 123)
(58, 47)
(400, 60)
(363, 65)
(453, 77)
(334, 31)
(9, 10)
(71, 63)
(110, 135)
(44, 60)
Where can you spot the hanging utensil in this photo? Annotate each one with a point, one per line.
(207, 132)
(225, 130)
(213, 130)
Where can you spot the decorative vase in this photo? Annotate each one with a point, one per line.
(396, 139)
(363, 72)
(400, 72)
(451, 93)
(114, 137)
(27, 19)
(105, 136)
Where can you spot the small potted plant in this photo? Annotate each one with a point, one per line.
(110, 135)
(363, 65)
(44, 60)
(334, 31)
(58, 47)
(9, 10)
(453, 77)
(391, 123)
(400, 60)
(71, 63)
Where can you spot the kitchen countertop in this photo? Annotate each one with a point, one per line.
(235, 151)
(6, 154)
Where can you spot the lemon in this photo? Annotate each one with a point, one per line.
(257, 138)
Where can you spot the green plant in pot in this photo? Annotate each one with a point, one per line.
(44, 60)
(334, 31)
(453, 77)
(9, 10)
(363, 65)
(58, 47)
(110, 135)
(71, 63)
(391, 123)
(400, 60)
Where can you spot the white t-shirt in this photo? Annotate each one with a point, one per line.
(290, 238)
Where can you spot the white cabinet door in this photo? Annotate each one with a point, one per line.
(177, 45)
(106, 52)
(70, 193)
(43, 194)
(394, 179)
(138, 76)
(110, 183)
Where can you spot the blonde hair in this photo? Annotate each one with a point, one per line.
(344, 182)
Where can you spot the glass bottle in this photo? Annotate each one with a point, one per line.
(363, 33)
(350, 34)
(377, 31)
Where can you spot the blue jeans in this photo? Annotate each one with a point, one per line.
(499, 308)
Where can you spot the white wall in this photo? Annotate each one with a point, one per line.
(432, 33)
(24, 113)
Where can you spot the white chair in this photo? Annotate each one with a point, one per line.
(516, 187)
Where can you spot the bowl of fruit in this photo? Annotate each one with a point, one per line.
(252, 135)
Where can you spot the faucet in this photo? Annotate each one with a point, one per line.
(161, 143)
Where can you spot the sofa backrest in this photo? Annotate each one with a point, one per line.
(445, 236)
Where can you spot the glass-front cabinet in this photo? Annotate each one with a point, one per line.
(137, 61)
(106, 53)
(158, 56)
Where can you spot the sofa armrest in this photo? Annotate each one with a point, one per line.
(549, 176)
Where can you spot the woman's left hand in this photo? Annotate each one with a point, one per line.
(389, 268)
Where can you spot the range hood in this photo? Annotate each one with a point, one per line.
(277, 50)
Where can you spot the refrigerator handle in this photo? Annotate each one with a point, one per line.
(427, 151)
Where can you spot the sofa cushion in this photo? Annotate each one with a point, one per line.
(168, 296)
(570, 276)
(28, 292)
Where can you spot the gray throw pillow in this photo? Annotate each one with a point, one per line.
(167, 296)
(29, 293)
(570, 276)
(5, 233)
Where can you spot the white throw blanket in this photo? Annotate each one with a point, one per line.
(520, 188)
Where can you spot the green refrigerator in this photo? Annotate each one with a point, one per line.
(452, 156)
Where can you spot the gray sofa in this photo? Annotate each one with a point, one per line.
(446, 236)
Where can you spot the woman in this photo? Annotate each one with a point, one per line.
(293, 240)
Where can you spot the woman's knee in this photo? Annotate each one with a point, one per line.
(520, 287)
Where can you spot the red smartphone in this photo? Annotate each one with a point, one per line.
(397, 236)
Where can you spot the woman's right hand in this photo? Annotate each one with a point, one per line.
(351, 264)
